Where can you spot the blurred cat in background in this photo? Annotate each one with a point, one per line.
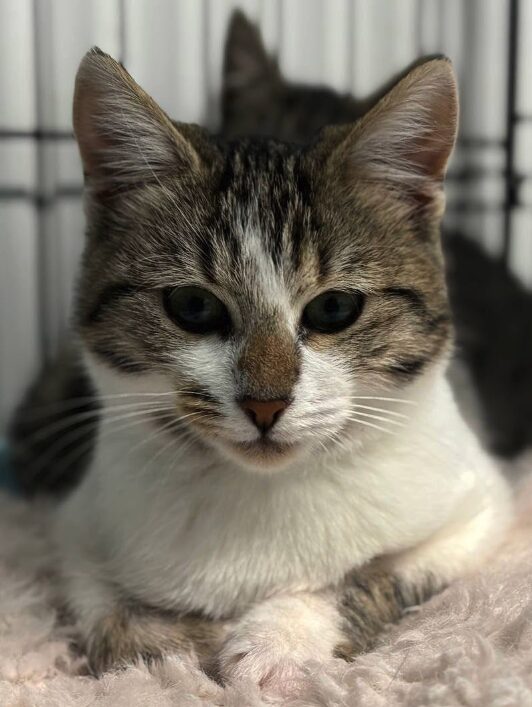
(492, 311)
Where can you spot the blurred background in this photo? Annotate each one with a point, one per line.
(174, 49)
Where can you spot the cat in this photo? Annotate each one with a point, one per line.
(271, 324)
(492, 311)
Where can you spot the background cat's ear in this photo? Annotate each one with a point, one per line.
(406, 140)
(246, 61)
(123, 135)
(251, 81)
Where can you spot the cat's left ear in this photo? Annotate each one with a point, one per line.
(124, 137)
(404, 143)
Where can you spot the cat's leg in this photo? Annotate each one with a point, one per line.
(134, 632)
(114, 631)
(370, 600)
(275, 641)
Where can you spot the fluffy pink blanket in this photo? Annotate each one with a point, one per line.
(470, 646)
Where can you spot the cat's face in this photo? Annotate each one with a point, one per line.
(270, 290)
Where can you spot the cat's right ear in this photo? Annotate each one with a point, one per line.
(124, 137)
(403, 144)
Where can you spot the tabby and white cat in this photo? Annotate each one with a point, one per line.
(277, 322)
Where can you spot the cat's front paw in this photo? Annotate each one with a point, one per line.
(269, 662)
(275, 643)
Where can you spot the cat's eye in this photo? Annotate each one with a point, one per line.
(333, 311)
(196, 310)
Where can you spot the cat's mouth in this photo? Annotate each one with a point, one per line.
(264, 450)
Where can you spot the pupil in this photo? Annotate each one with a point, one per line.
(196, 306)
(332, 306)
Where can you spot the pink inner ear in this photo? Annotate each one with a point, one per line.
(409, 136)
(123, 135)
(432, 150)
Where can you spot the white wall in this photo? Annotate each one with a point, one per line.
(174, 49)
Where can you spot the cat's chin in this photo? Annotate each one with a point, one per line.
(264, 456)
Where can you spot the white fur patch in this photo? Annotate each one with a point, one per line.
(273, 644)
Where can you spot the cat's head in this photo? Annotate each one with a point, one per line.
(270, 290)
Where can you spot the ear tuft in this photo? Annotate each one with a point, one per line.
(406, 140)
(123, 135)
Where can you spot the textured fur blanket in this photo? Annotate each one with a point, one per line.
(471, 645)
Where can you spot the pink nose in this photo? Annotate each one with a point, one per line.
(264, 413)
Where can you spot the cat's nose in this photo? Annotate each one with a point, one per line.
(264, 413)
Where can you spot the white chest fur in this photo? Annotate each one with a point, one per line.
(196, 534)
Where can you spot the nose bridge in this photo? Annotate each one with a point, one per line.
(269, 362)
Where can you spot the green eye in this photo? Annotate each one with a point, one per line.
(333, 311)
(197, 310)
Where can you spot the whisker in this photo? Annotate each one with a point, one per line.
(372, 424)
(71, 420)
(79, 451)
(109, 429)
(384, 410)
(336, 442)
(54, 450)
(384, 399)
(161, 431)
(381, 418)
(163, 449)
(96, 399)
